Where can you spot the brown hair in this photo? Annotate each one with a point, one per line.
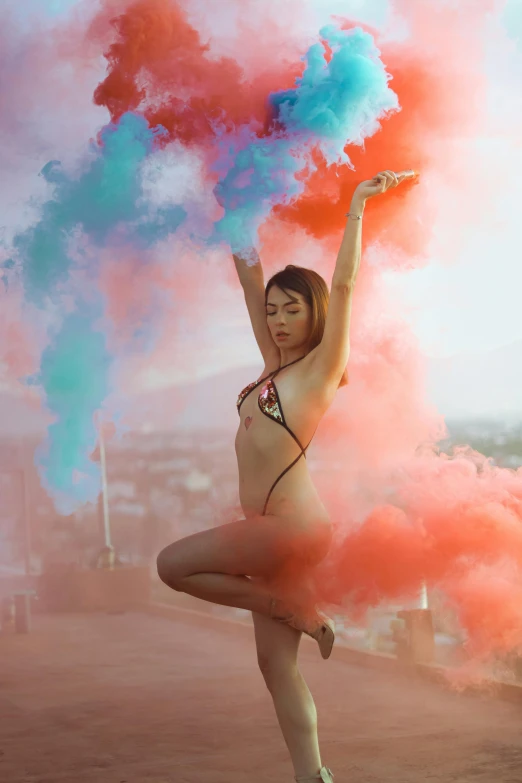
(314, 291)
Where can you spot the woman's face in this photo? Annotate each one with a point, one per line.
(292, 316)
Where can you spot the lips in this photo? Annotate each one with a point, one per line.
(281, 334)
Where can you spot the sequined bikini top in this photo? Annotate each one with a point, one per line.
(268, 399)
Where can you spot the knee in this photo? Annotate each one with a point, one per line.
(169, 570)
(276, 669)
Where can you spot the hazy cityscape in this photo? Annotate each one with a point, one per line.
(162, 486)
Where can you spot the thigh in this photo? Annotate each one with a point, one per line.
(258, 546)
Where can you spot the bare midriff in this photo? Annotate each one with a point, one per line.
(265, 449)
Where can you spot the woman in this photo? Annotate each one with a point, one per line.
(262, 562)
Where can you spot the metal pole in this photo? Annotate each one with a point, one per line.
(103, 465)
(27, 526)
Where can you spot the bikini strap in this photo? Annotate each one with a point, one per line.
(287, 365)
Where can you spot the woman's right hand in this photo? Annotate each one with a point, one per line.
(379, 184)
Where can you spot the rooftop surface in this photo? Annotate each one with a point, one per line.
(133, 698)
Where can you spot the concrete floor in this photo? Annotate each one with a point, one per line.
(134, 698)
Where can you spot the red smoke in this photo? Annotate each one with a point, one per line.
(159, 65)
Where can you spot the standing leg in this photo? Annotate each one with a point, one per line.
(277, 647)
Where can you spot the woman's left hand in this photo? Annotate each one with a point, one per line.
(382, 182)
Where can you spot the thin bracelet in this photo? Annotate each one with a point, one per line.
(352, 214)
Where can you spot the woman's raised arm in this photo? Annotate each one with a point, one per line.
(252, 280)
(333, 351)
(349, 256)
(249, 268)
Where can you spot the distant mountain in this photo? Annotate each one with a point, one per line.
(208, 403)
(465, 386)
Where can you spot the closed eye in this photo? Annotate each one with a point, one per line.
(294, 312)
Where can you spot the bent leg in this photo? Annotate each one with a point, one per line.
(214, 565)
(277, 647)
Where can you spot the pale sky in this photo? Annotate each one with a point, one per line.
(472, 302)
